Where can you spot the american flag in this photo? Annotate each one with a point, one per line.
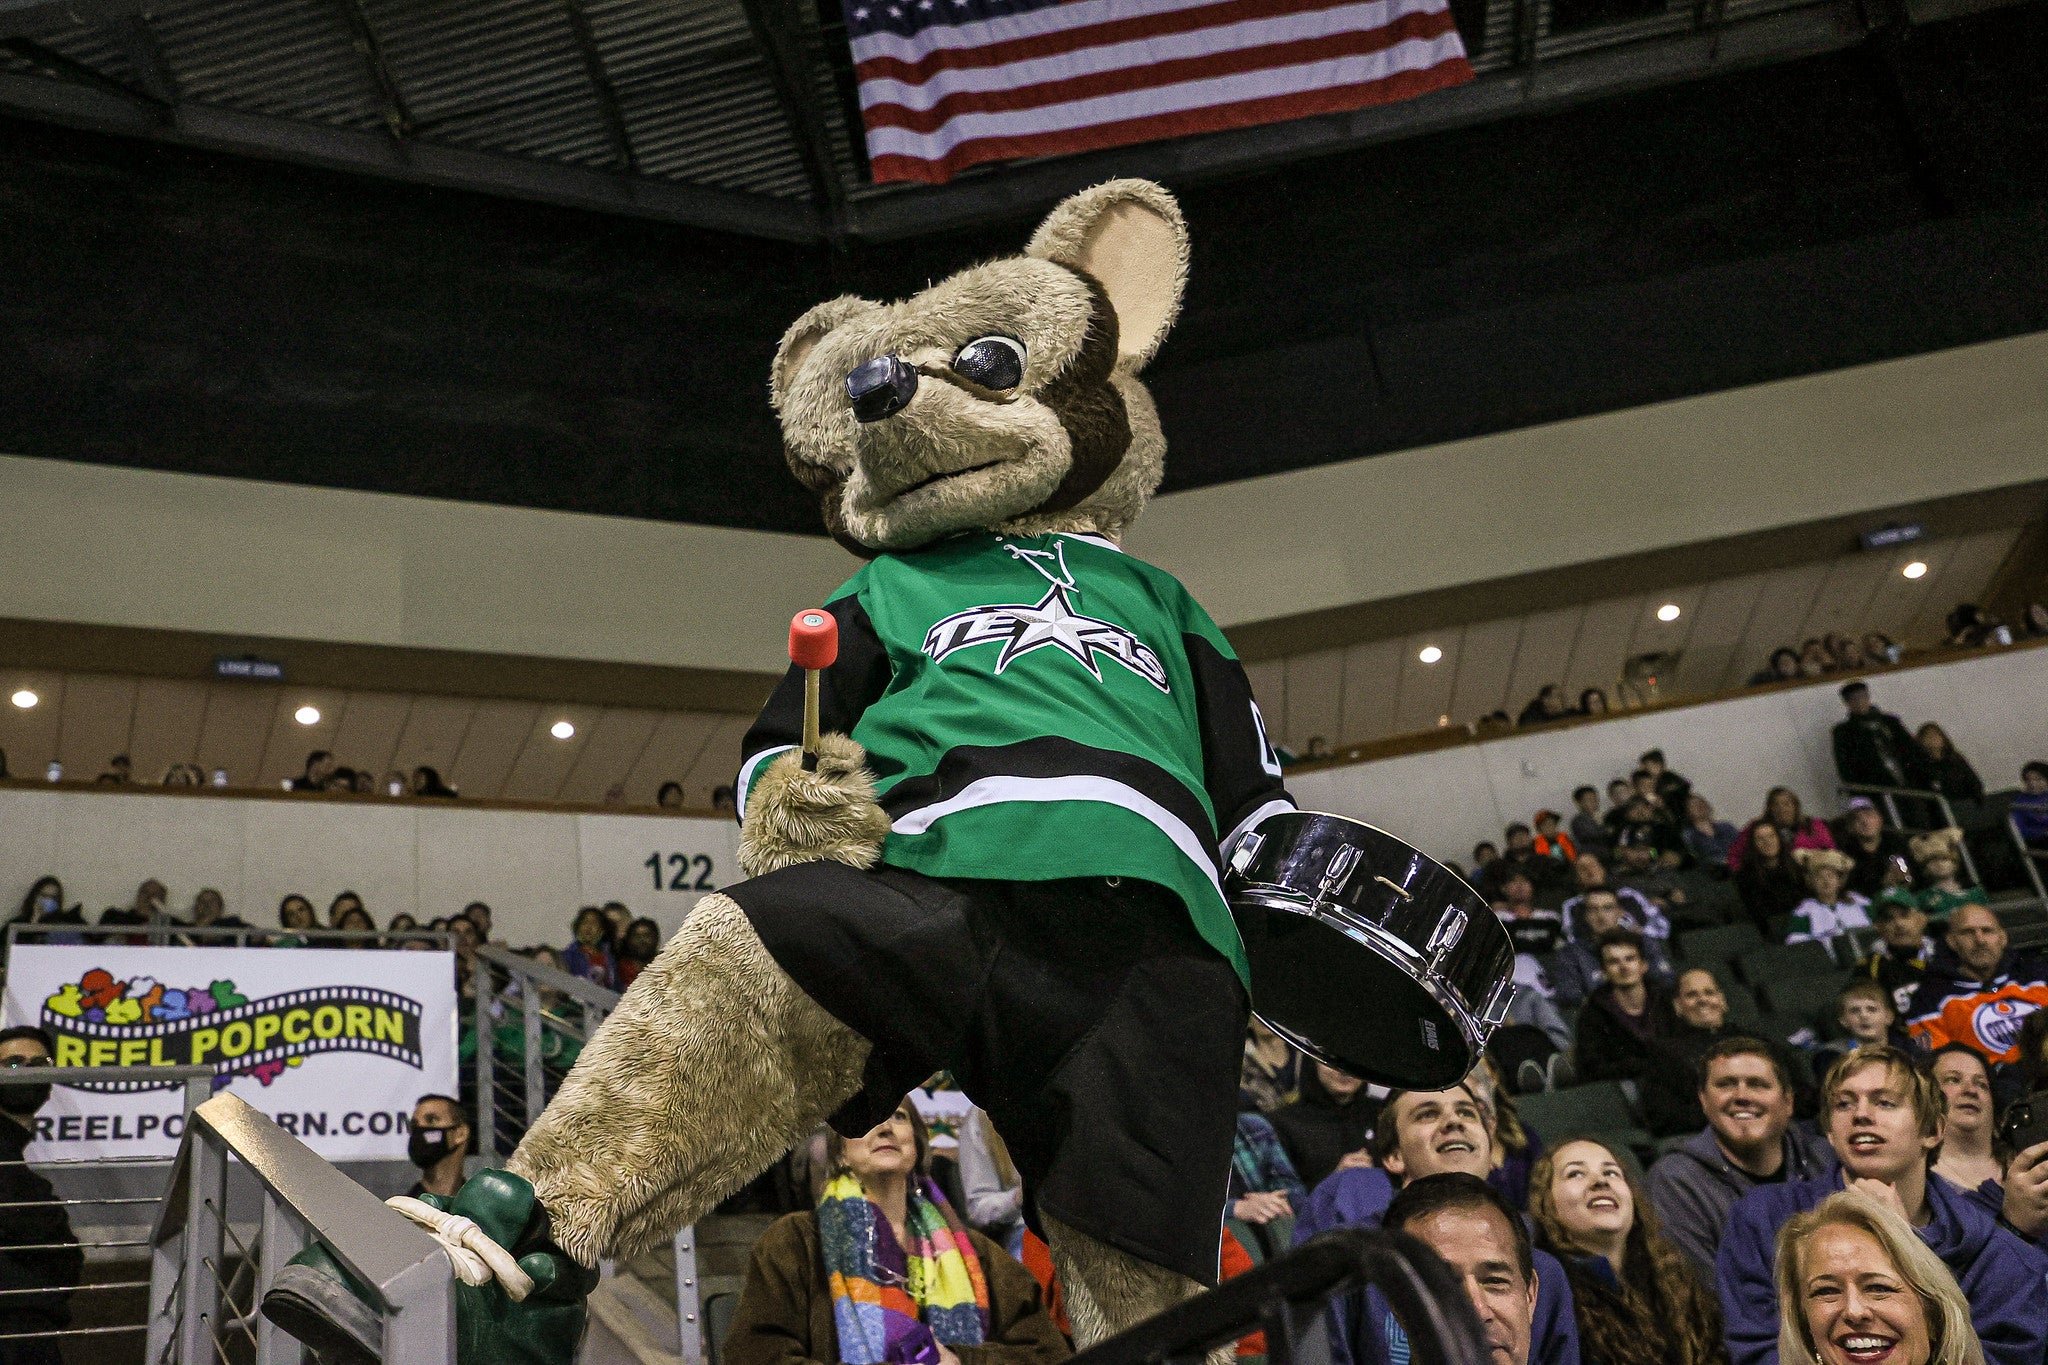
(948, 84)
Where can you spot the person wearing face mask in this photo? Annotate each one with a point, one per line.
(1419, 1134)
(1746, 1093)
(1866, 1289)
(883, 1272)
(1638, 1301)
(37, 1282)
(1883, 1117)
(437, 1143)
(44, 904)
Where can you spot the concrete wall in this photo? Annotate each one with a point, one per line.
(533, 867)
(125, 547)
(1994, 707)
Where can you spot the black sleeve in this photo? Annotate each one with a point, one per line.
(1240, 771)
(858, 677)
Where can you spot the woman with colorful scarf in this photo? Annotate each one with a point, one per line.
(883, 1272)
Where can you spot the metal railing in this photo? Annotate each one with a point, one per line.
(205, 1304)
(167, 932)
(110, 1237)
(529, 1023)
(1893, 795)
(1289, 1299)
(2031, 858)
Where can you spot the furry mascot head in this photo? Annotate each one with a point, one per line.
(1005, 398)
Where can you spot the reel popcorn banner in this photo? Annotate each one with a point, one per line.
(336, 1045)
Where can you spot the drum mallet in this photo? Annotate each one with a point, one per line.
(813, 646)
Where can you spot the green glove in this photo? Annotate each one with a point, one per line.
(546, 1326)
(316, 1300)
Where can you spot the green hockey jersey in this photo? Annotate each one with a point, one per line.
(1042, 707)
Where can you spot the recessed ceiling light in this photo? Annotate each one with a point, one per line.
(1430, 654)
(1917, 569)
(1668, 612)
(25, 699)
(307, 715)
(562, 729)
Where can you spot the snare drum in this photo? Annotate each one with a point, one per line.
(1365, 953)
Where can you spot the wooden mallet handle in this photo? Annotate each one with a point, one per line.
(813, 646)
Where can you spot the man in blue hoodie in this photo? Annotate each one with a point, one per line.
(1423, 1133)
(1884, 1120)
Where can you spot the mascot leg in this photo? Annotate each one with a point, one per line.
(713, 1065)
(1108, 1290)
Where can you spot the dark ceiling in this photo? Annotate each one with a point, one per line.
(174, 309)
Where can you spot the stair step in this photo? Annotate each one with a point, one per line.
(616, 1335)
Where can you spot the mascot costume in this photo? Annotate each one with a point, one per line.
(1004, 858)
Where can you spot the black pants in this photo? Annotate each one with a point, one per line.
(1091, 1021)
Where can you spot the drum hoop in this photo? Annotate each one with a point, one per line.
(1374, 939)
(1367, 824)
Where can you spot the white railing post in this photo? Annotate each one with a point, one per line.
(283, 1238)
(690, 1326)
(536, 1077)
(205, 1194)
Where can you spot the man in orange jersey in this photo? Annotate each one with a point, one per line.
(1976, 992)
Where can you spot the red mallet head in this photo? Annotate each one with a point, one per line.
(813, 639)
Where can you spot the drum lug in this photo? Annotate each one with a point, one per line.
(1496, 1008)
(1337, 873)
(1449, 930)
(1247, 849)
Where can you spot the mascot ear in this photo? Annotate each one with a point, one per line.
(1127, 235)
(804, 334)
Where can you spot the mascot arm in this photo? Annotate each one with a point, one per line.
(1239, 767)
(788, 815)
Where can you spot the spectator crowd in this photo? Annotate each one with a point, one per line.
(1766, 1093)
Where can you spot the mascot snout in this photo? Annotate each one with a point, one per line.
(880, 388)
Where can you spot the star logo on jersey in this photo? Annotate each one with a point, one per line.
(1050, 623)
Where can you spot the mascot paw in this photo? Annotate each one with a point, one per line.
(795, 816)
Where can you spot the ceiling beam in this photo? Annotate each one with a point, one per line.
(397, 116)
(103, 105)
(1647, 571)
(779, 31)
(26, 17)
(601, 88)
(146, 56)
(1558, 82)
(79, 76)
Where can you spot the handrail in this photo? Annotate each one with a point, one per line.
(198, 1079)
(575, 987)
(1287, 1297)
(162, 931)
(1460, 735)
(2031, 858)
(404, 1271)
(1891, 806)
(85, 787)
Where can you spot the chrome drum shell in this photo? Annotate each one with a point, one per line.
(1366, 953)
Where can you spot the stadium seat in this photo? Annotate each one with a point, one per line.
(1248, 1238)
(1599, 1110)
(1807, 999)
(1743, 1009)
(1705, 947)
(1775, 962)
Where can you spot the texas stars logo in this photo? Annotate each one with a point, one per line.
(1050, 623)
